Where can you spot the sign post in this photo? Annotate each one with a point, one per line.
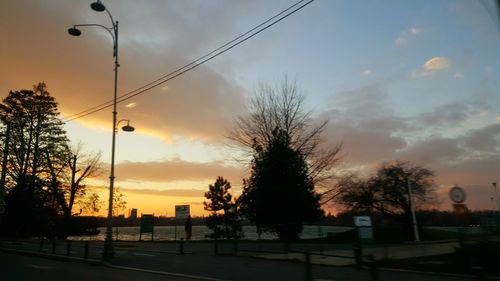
(181, 213)
(147, 225)
(364, 226)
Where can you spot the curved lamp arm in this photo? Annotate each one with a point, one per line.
(126, 128)
(74, 31)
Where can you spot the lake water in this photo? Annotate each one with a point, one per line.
(166, 233)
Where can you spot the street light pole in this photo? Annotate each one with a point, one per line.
(413, 217)
(4, 172)
(496, 196)
(108, 251)
(108, 242)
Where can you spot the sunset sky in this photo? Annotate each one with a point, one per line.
(410, 80)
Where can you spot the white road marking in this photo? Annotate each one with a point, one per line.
(41, 267)
(144, 254)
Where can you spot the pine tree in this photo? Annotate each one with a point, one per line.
(223, 219)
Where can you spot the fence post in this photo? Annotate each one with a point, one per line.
(181, 246)
(86, 250)
(308, 269)
(68, 247)
(373, 268)
(358, 254)
(41, 245)
(216, 246)
(235, 244)
(54, 246)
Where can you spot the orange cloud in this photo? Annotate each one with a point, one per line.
(79, 70)
(178, 170)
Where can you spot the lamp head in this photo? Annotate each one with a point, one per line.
(128, 128)
(98, 6)
(73, 31)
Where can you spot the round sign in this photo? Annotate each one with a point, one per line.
(457, 194)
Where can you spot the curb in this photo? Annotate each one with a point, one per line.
(104, 263)
(52, 256)
(435, 273)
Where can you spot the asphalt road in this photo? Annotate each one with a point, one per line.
(25, 268)
(199, 260)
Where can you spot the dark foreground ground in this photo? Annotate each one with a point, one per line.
(162, 261)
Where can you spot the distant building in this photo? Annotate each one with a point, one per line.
(133, 214)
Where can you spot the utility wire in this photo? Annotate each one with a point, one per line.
(110, 102)
(219, 51)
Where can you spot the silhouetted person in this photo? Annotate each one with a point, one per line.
(188, 227)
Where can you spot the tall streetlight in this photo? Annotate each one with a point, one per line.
(412, 209)
(113, 31)
(496, 196)
(4, 171)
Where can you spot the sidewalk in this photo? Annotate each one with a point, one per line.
(345, 257)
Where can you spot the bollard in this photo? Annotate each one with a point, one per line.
(373, 268)
(86, 250)
(53, 246)
(307, 261)
(358, 255)
(479, 273)
(181, 247)
(235, 246)
(41, 245)
(68, 248)
(216, 247)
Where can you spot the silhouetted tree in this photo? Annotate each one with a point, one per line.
(68, 171)
(91, 203)
(282, 109)
(279, 195)
(34, 129)
(387, 190)
(119, 203)
(223, 220)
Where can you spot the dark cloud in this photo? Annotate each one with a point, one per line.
(445, 115)
(438, 139)
(178, 170)
(432, 150)
(363, 143)
(363, 122)
(486, 139)
(155, 39)
(167, 192)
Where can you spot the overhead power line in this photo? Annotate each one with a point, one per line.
(195, 63)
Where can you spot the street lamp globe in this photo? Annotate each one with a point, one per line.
(74, 31)
(128, 128)
(98, 6)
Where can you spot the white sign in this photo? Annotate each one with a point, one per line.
(362, 221)
(182, 211)
(365, 233)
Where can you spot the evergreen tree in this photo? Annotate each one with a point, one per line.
(279, 195)
(223, 220)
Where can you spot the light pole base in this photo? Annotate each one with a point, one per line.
(108, 251)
